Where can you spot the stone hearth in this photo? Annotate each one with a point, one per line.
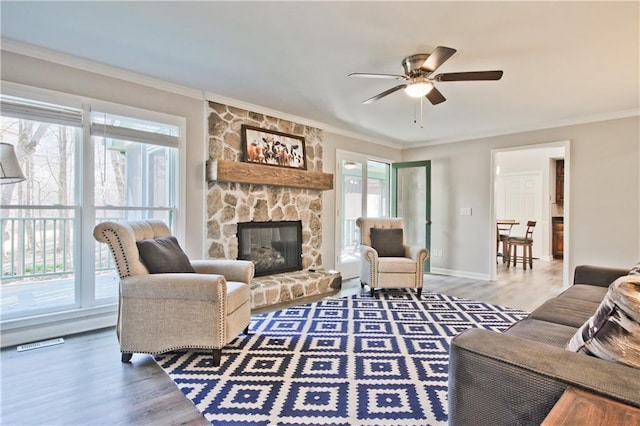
(277, 289)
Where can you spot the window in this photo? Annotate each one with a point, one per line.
(126, 169)
(135, 163)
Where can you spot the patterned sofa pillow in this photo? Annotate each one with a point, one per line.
(613, 332)
(635, 270)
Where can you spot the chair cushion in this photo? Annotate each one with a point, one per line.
(613, 332)
(163, 255)
(520, 240)
(401, 265)
(388, 242)
(237, 295)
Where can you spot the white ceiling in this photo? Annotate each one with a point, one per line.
(563, 62)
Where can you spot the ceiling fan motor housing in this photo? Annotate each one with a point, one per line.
(413, 65)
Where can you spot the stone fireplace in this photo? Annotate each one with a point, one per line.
(230, 203)
(289, 198)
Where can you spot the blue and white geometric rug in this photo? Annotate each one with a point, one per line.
(358, 360)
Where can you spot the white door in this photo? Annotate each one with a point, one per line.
(519, 197)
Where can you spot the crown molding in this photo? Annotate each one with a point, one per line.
(48, 55)
(65, 59)
(209, 96)
(594, 118)
(41, 53)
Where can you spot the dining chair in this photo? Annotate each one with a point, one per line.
(526, 243)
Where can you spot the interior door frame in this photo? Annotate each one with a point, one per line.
(491, 243)
(394, 199)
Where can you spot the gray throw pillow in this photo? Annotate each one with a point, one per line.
(613, 332)
(163, 256)
(387, 242)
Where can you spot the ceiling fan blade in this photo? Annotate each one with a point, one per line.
(437, 58)
(371, 75)
(435, 97)
(469, 76)
(385, 93)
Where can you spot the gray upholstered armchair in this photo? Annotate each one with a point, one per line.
(160, 312)
(386, 261)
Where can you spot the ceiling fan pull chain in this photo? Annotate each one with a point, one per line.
(415, 112)
(421, 114)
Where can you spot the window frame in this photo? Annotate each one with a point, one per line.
(89, 313)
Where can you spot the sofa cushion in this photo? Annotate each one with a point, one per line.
(565, 310)
(591, 293)
(163, 255)
(388, 242)
(613, 332)
(549, 333)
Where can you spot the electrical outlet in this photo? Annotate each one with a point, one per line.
(465, 211)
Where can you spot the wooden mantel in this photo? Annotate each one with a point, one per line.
(260, 174)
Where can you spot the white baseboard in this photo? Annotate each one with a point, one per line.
(21, 332)
(461, 274)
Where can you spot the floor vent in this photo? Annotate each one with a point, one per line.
(38, 345)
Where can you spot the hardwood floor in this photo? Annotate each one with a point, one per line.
(83, 382)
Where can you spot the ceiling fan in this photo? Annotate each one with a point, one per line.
(419, 82)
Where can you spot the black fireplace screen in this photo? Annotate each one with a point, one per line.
(273, 247)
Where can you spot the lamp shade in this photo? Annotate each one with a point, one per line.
(9, 168)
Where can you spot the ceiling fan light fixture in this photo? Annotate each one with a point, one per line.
(419, 89)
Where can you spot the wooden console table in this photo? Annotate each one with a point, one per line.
(576, 407)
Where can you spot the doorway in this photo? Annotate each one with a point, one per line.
(363, 185)
(411, 200)
(525, 188)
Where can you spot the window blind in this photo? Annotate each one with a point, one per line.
(110, 126)
(39, 111)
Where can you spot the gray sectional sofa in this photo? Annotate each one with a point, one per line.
(516, 377)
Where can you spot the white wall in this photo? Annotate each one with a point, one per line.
(604, 221)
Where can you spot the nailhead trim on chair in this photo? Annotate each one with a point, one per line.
(374, 270)
(222, 297)
(118, 252)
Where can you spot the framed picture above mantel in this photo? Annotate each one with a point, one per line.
(273, 148)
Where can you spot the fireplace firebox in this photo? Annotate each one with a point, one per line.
(273, 247)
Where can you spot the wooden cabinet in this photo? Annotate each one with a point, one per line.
(560, 181)
(557, 243)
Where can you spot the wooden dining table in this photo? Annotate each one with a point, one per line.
(504, 225)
